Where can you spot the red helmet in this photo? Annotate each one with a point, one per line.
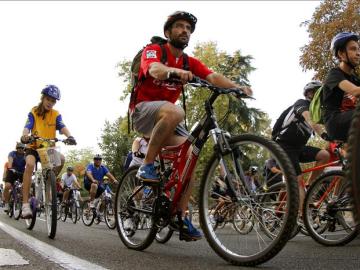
(180, 15)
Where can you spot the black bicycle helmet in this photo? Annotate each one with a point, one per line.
(180, 15)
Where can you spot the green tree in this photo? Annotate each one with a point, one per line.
(330, 18)
(115, 144)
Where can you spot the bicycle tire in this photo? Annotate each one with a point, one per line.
(109, 216)
(165, 236)
(87, 214)
(50, 204)
(30, 222)
(127, 222)
(10, 213)
(73, 212)
(310, 213)
(246, 145)
(17, 207)
(353, 172)
(64, 212)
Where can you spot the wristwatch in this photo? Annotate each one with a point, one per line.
(170, 74)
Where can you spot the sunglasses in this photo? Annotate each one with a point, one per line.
(20, 148)
(97, 158)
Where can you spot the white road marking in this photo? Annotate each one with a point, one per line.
(11, 257)
(49, 252)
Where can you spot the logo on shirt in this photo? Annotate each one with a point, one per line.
(150, 54)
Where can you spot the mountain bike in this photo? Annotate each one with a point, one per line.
(354, 161)
(15, 202)
(103, 210)
(231, 155)
(71, 207)
(45, 185)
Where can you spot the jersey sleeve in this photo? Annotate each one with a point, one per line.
(301, 106)
(59, 122)
(30, 121)
(106, 170)
(12, 154)
(88, 168)
(334, 77)
(199, 68)
(151, 54)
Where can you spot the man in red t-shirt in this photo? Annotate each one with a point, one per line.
(153, 112)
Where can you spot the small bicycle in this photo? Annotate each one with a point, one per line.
(15, 202)
(45, 185)
(139, 219)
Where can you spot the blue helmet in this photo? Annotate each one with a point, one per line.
(340, 40)
(51, 91)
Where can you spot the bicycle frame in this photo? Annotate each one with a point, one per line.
(183, 167)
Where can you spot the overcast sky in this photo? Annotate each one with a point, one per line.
(76, 46)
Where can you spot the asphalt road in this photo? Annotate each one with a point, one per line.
(97, 244)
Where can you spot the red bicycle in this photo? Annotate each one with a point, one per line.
(328, 207)
(142, 210)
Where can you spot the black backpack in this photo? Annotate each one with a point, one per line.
(135, 67)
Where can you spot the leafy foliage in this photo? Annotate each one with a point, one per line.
(330, 18)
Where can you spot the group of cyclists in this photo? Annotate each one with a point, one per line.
(160, 121)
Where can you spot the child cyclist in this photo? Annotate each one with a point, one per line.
(42, 121)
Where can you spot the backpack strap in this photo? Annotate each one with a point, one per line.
(185, 67)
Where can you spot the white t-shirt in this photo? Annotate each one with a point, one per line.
(68, 180)
(143, 149)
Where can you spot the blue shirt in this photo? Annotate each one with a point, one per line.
(18, 161)
(97, 173)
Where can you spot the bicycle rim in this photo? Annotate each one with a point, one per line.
(280, 214)
(50, 204)
(328, 210)
(136, 230)
(164, 235)
(87, 215)
(110, 216)
(73, 213)
(17, 207)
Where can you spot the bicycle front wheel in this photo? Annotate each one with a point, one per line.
(109, 215)
(253, 247)
(87, 214)
(30, 222)
(17, 206)
(50, 204)
(136, 229)
(354, 161)
(328, 210)
(74, 212)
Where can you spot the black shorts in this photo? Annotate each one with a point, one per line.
(100, 189)
(299, 155)
(338, 125)
(32, 152)
(11, 177)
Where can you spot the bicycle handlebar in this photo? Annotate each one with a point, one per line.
(198, 82)
(34, 138)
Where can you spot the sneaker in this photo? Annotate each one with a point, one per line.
(92, 204)
(147, 173)
(26, 211)
(189, 232)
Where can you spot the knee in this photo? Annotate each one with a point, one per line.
(172, 113)
(323, 156)
(7, 186)
(94, 186)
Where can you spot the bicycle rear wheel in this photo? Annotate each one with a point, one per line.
(254, 247)
(87, 214)
(50, 204)
(64, 212)
(136, 229)
(73, 212)
(354, 161)
(328, 210)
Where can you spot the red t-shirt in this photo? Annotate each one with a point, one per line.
(151, 89)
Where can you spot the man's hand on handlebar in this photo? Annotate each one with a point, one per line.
(183, 75)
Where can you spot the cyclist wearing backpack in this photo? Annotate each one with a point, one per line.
(293, 130)
(342, 86)
(153, 111)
